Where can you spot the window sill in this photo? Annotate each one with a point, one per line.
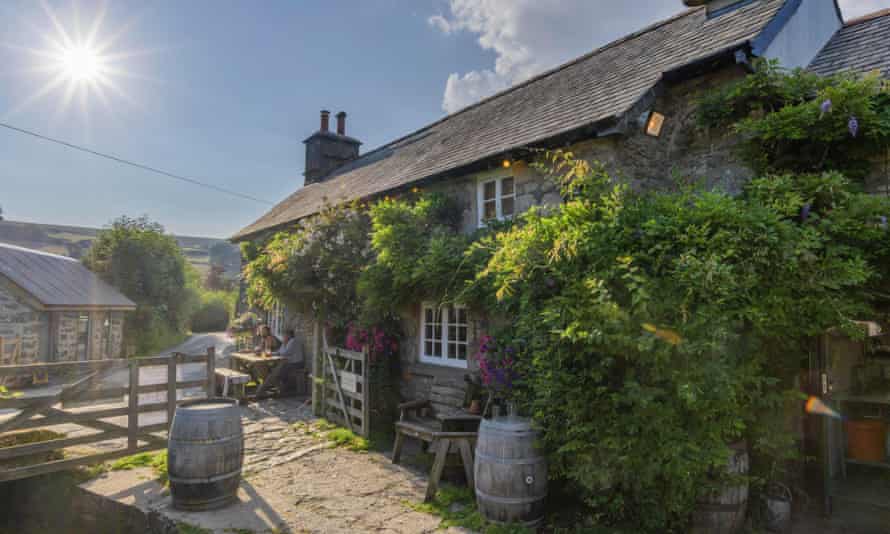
(429, 369)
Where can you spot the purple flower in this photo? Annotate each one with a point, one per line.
(853, 126)
(826, 106)
(805, 212)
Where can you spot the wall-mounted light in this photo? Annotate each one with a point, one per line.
(654, 124)
(506, 164)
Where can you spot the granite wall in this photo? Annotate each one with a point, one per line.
(23, 328)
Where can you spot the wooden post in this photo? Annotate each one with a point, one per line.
(318, 387)
(133, 412)
(171, 387)
(366, 395)
(211, 372)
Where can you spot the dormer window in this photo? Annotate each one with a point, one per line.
(497, 199)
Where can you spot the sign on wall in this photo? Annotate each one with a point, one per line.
(349, 381)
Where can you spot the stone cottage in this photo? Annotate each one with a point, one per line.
(52, 308)
(629, 104)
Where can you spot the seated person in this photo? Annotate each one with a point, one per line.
(268, 343)
(292, 351)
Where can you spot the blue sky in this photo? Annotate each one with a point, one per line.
(225, 91)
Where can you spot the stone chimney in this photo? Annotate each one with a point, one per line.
(325, 150)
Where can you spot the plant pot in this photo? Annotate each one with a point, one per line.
(475, 407)
(777, 509)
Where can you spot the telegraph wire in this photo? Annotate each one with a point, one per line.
(134, 164)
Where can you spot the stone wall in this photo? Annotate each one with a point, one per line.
(22, 327)
(66, 336)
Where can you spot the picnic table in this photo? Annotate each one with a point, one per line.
(256, 365)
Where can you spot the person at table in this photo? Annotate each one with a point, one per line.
(294, 360)
(268, 342)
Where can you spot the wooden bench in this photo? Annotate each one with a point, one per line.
(230, 377)
(443, 424)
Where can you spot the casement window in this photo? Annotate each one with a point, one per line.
(497, 199)
(276, 319)
(444, 335)
(83, 337)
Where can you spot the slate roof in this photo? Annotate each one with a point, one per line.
(58, 282)
(598, 86)
(862, 45)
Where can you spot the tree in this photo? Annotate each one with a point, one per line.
(145, 264)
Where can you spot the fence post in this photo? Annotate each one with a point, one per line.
(211, 372)
(133, 409)
(366, 393)
(171, 387)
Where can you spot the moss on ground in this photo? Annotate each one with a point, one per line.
(338, 437)
(156, 460)
(457, 508)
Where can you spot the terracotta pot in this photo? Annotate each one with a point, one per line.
(475, 408)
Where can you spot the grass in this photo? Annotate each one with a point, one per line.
(188, 528)
(457, 508)
(155, 460)
(26, 438)
(338, 437)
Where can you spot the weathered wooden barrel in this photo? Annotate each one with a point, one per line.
(723, 512)
(204, 454)
(510, 473)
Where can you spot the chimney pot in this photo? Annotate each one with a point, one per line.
(325, 120)
(341, 123)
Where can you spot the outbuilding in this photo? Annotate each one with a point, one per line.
(52, 308)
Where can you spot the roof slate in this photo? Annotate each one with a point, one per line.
(862, 45)
(57, 281)
(598, 86)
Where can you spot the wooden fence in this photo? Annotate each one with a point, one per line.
(52, 405)
(345, 392)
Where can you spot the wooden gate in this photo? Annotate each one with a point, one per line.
(94, 408)
(345, 390)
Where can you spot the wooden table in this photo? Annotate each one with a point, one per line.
(257, 366)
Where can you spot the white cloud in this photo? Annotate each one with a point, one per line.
(530, 36)
(857, 8)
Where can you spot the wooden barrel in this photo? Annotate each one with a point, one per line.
(204, 455)
(723, 512)
(511, 475)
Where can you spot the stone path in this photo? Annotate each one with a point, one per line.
(294, 482)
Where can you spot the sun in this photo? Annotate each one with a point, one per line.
(77, 62)
(80, 63)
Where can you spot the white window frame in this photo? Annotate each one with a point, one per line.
(443, 360)
(498, 179)
(277, 318)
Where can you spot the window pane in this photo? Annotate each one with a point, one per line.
(437, 350)
(506, 187)
(462, 315)
(507, 207)
(429, 315)
(428, 348)
(489, 190)
(490, 211)
(461, 352)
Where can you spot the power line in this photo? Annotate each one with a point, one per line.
(133, 164)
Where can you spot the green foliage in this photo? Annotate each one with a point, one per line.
(457, 508)
(799, 122)
(419, 254)
(651, 323)
(314, 267)
(146, 265)
(337, 436)
(156, 460)
(187, 528)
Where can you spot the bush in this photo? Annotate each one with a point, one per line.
(212, 315)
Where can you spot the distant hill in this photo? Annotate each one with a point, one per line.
(73, 241)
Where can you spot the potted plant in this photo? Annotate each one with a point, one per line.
(498, 369)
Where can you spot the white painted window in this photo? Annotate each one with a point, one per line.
(444, 335)
(276, 319)
(497, 199)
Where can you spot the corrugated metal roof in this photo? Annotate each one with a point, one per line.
(598, 86)
(57, 281)
(861, 46)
